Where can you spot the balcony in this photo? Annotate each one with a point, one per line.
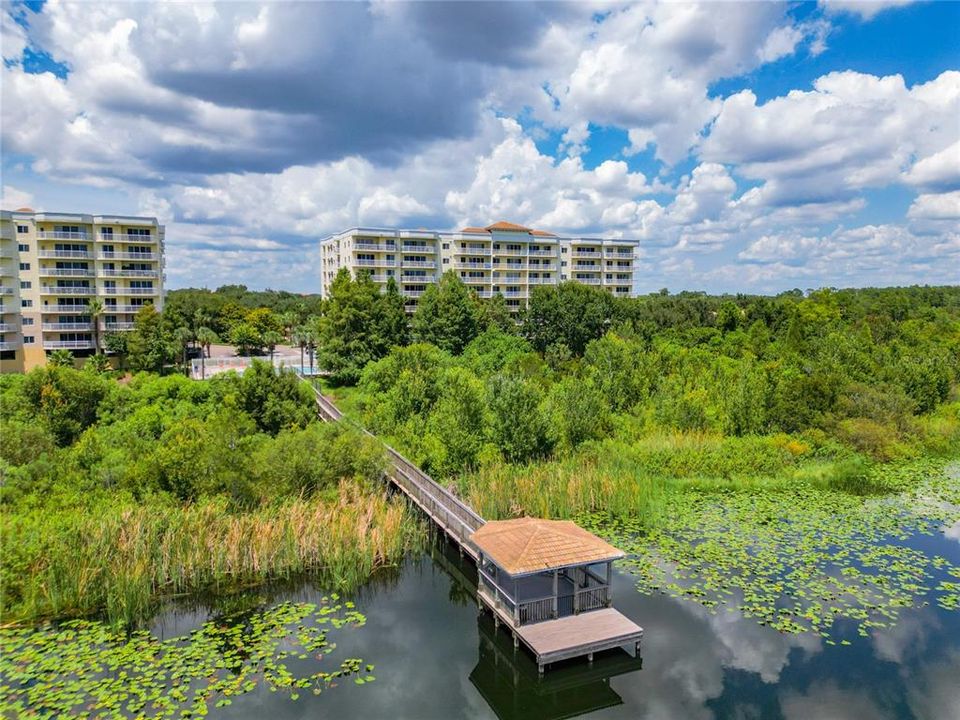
(68, 344)
(66, 290)
(62, 235)
(502, 252)
(419, 263)
(411, 278)
(123, 309)
(130, 273)
(486, 294)
(412, 293)
(375, 263)
(543, 253)
(410, 308)
(380, 278)
(467, 265)
(117, 326)
(78, 309)
(422, 249)
(587, 266)
(9, 327)
(468, 250)
(65, 254)
(66, 326)
(9, 345)
(139, 291)
(515, 293)
(65, 272)
(381, 247)
(127, 238)
(476, 280)
(587, 281)
(588, 254)
(542, 281)
(143, 257)
(4, 290)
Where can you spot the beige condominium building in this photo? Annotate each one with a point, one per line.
(54, 264)
(501, 258)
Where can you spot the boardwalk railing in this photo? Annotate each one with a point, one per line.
(449, 512)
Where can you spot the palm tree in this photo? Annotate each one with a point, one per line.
(311, 342)
(206, 337)
(299, 337)
(95, 308)
(60, 358)
(271, 338)
(183, 336)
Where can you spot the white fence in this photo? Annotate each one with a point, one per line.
(203, 369)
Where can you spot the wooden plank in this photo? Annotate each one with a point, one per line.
(577, 635)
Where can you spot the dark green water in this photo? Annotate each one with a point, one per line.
(436, 657)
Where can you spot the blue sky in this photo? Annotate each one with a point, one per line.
(752, 147)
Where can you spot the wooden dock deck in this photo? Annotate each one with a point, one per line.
(550, 640)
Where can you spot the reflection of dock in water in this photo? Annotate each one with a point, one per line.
(511, 684)
(509, 680)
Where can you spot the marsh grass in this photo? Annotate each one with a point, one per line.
(121, 561)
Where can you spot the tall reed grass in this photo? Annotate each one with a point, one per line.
(122, 560)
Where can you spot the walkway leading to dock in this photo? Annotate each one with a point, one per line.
(551, 639)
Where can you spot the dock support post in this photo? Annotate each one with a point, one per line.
(636, 649)
(540, 668)
(496, 621)
(556, 592)
(516, 641)
(590, 658)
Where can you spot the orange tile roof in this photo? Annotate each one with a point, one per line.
(509, 226)
(542, 233)
(474, 230)
(530, 545)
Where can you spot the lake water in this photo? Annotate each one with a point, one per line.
(437, 657)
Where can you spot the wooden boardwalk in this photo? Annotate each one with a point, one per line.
(550, 640)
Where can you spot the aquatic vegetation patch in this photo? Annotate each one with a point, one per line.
(85, 669)
(799, 559)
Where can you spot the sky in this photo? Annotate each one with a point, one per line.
(747, 147)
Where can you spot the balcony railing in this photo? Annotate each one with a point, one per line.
(588, 254)
(542, 281)
(422, 249)
(64, 254)
(419, 263)
(62, 235)
(515, 293)
(66, 326)
(117, 309)
(9, 327)
(66, 272)
(118, 326)
(587, 266)
(484, 293)
(375, 263)
(522, 252)
(67, 344)
(412, 278)
(129, 273)
(9, 345)
(382, 247)
(467, 250)
(67, 290)
(124, 237)
(410, 308)
(145, 257)
(543, 253)
(412, 293)
(65, 309)
(466, 265)
(139, 291)
(476, 280)
(587, 281)
(4, 290)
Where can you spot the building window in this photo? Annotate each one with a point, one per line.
(22, 229)
(26, 321)
(23, 247)
(25, 303)
(28, 340)
(24, 266)
(25, 285)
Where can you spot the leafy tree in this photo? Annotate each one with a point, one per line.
(518, 427)
(275, 399)
(621, 369)
(494, 313)
(116, 343)
(149, 345)
(393, 327)
(272, 338)
(446, 315)
(349, 329)
(568, 313)
(246, 339)
(458, 420)
(578, 411)
(263, 321)
(64, 399)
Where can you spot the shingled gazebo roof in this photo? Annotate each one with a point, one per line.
(530, 545)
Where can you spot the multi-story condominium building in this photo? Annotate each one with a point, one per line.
(501, 258)
(53, 264)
